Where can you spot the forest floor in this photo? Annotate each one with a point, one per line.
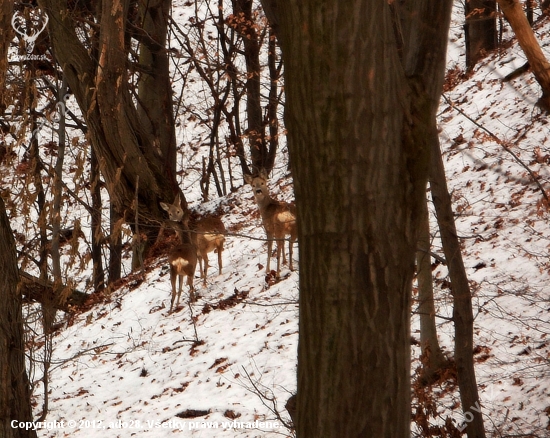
(226, 365)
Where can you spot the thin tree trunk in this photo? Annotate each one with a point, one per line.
(97, 233)
(6, 34)
(433, 358)
(246, 26)
(15, 404)
(273, 107)
(513, 11)
(462, 298)
(529, 11)
(58, 192)
(228, 48)
(115, 246)
(480, 31)
(48, 302)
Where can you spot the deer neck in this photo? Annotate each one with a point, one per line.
(181, 231)
(264, 202)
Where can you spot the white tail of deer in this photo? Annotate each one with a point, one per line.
(207, 234)
(182, 258)
(278, 218)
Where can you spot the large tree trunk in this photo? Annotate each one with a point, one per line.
(14, 386)
(513, 11)
(126, 147)
(362, 81)
(157, 120)
(462, 299)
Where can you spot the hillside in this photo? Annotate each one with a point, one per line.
(225, 366)
(127, 359)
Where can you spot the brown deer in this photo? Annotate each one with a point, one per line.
(207, 234)
(278, 218)
(183, 257)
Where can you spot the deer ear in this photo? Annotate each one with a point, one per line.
(177, 201)
(248, 178)
(164, 206)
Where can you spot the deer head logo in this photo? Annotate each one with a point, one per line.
(29, 27)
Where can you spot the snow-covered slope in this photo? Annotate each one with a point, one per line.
(126, 366)
(225, 366)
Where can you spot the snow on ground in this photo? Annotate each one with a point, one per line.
(229, 357)
(490, 131)
(126, 367)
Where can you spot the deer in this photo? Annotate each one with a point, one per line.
(207, 234)
(183, 257)
(278, 219)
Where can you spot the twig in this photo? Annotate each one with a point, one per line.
(501, 143)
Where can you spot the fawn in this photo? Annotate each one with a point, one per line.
(207, 234)
(278, 218)
(182, 258)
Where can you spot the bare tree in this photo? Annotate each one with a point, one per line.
(131, 127)
(513, 12)
(15, 402)
(363, 81)
(6, 31)
(462, 298)
(433, 359)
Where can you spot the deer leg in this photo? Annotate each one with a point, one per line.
(290, 245)
(173, 276)
(220, 249)
(269, 249)
(199, 256)
(280, 247)
(205, 268)
(192, 297)
(180, 286)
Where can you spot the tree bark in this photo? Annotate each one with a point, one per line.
(480, 29)
(6, 34)
(462, 298)
(433, 358)
(36, 289)
(157, 120)
(14, 386)
(362, 82)
(98, 274)
(246, 26)
(513, 12)
(115, 246)
(57, 189)
(126, 147)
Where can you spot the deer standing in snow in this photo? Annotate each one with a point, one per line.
(278, 218)
(207, 234)
(182, 258)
